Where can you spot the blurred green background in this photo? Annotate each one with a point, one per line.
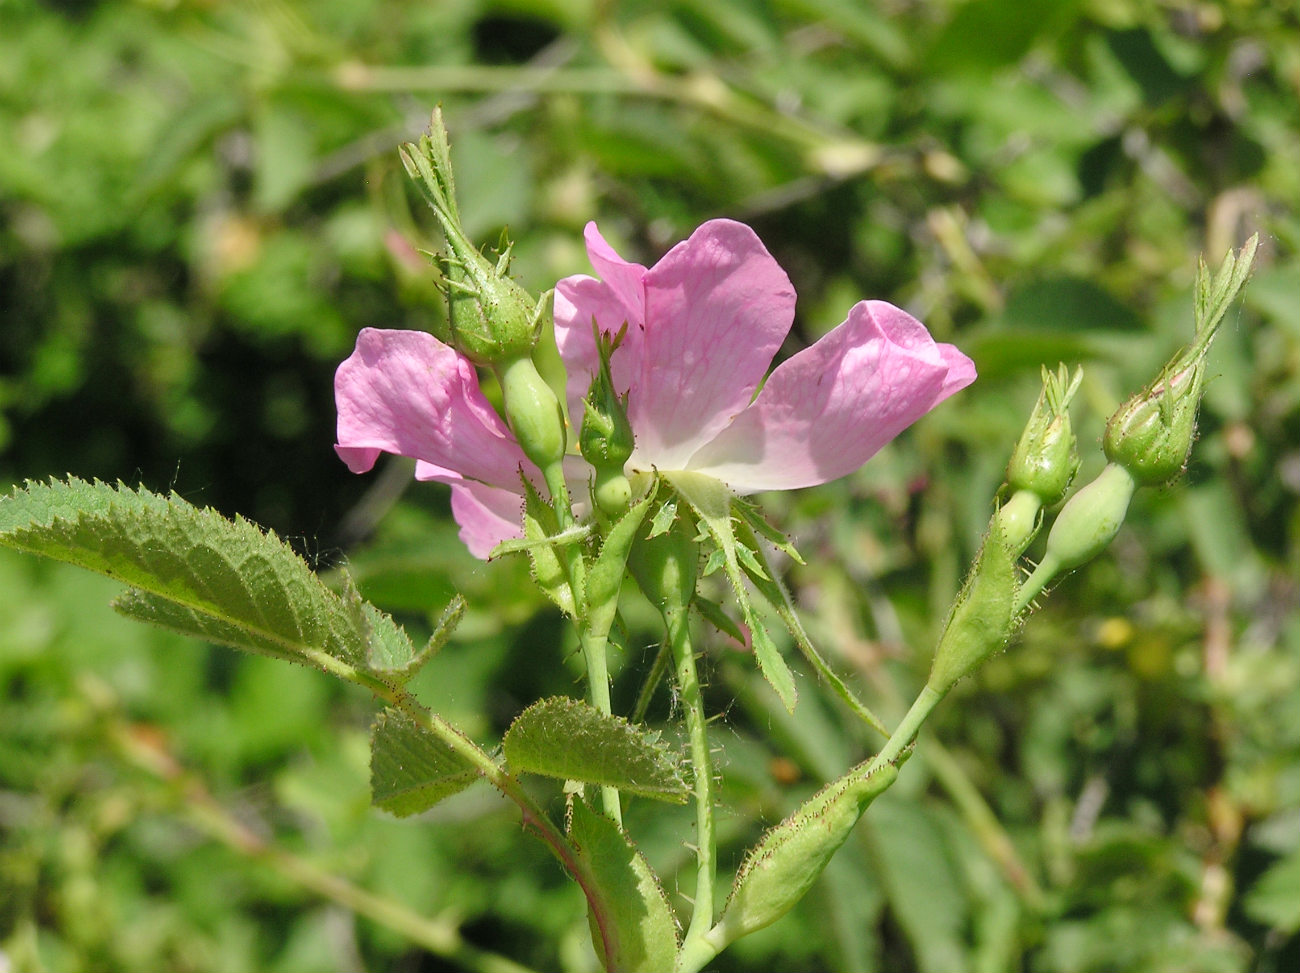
(201, 204)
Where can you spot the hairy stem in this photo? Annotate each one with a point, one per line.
(907, 730)
(593, 642)
(677, 620)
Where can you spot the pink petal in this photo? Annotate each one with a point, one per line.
(625, 279)
(405, 392)
(618, 298)
(827, 410)
(577, 301)
(487, 516)
(717, 307)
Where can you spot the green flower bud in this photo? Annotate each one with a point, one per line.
(1089, 520)
(492, 319)
(606, 439)
(533, 412)
(1046, 457)
(1019, 519)
(1151, 434)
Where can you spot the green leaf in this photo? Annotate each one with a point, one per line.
(922, 883)
(194, 571)
(411, 770)
(1274, 900)
(390, 654)
(712, 612)
(569, 739)
(711, 502)
(748, 512)
(663, 519)
(637, 932)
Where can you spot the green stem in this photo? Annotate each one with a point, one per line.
(677, 620)
(593, 653)
(907, 730)
(593, 643)
(700, 92)
(465, 748)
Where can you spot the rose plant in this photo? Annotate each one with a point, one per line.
(638, 414)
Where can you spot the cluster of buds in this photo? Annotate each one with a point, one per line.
(492, 320)
(1147, 442)
(1149, 437)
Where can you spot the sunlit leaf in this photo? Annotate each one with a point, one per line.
(569, 739)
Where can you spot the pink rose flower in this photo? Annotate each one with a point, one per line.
(703, 325)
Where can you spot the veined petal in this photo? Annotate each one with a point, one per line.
(577, 301)
(717, 307)
(625, 279)
(406, 392)
(487, 516)
(827, 410)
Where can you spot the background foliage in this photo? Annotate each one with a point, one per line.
(201, 205)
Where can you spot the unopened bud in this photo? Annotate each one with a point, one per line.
(606, 439)
(533, 412)
(1151, 434)
(492, 319)
(1046, 457)
(1089, 520)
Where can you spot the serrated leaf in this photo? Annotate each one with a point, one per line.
(386, 655)
(638, 932)
(570, 740)
(710, 500)
(749, 561)
(411, 770)
(716, 559)
(715, 616)
(196, 572)
(748, 512)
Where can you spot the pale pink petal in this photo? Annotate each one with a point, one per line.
(487, 516)
(577, 301)
(827, 410)
(717, 307)
(624, 278)
(405, 392)
(961, 371)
